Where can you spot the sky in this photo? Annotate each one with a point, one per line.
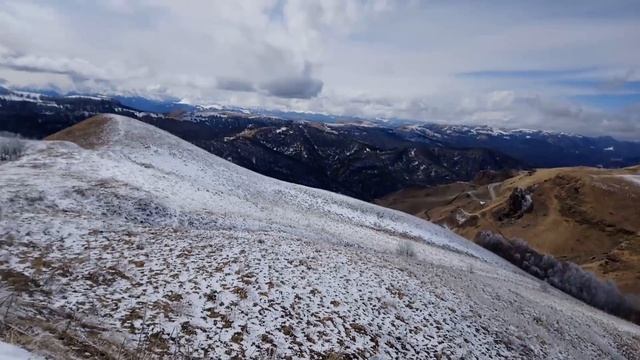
(560, 65)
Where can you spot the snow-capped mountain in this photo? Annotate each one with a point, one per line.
(360, 161)
(363, 159)
(536, 148)
(133, 241)
(37, 115)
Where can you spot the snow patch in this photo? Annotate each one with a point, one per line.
(12, 352)
(632, 178)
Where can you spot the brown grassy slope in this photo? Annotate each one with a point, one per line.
(89, 134)
(585, 215)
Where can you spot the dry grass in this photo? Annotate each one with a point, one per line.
(89, 134)
(586, 215)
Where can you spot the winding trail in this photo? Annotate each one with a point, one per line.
(492, 191)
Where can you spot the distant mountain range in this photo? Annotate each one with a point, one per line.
(357, 157)
(540, 149)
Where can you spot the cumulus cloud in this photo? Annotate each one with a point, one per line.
(372, 58)
(76, 68)
(302, 86)
(293, 87)
(506, 109)
(232, 84)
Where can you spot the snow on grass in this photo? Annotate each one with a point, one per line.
(12, 352)
(152, 245)
(633, 178)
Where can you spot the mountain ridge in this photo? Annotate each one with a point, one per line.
(360, 159)
(364, 162)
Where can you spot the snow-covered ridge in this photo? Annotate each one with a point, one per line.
(89, 97)
(42, 100)
(8, 95)
(143, 144)
(494, 131)
(203, 112)
(145, 236)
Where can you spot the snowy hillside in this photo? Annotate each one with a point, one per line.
(141, 244)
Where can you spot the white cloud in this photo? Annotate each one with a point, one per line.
(372, 58)
(76, 68)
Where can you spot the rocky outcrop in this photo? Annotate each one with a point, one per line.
(519, 203)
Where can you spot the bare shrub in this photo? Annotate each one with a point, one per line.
(544, 287)
(406, 248)
(11, 148)
(562, 275)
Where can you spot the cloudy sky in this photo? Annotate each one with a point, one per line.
(557, 65)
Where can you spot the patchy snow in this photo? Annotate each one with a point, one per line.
(610, 148)
(28, 97)
(211, 107)
(19, 97)
(633, 178)
(141, 114)
(491, 131)
(462, 216)
(89, 97)
(152, 241)
(12, 352)
(527, 203)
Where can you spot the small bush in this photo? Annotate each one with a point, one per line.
(563, 275)
(406, 248)
(11, 148)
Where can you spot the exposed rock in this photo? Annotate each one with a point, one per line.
(519, 203)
